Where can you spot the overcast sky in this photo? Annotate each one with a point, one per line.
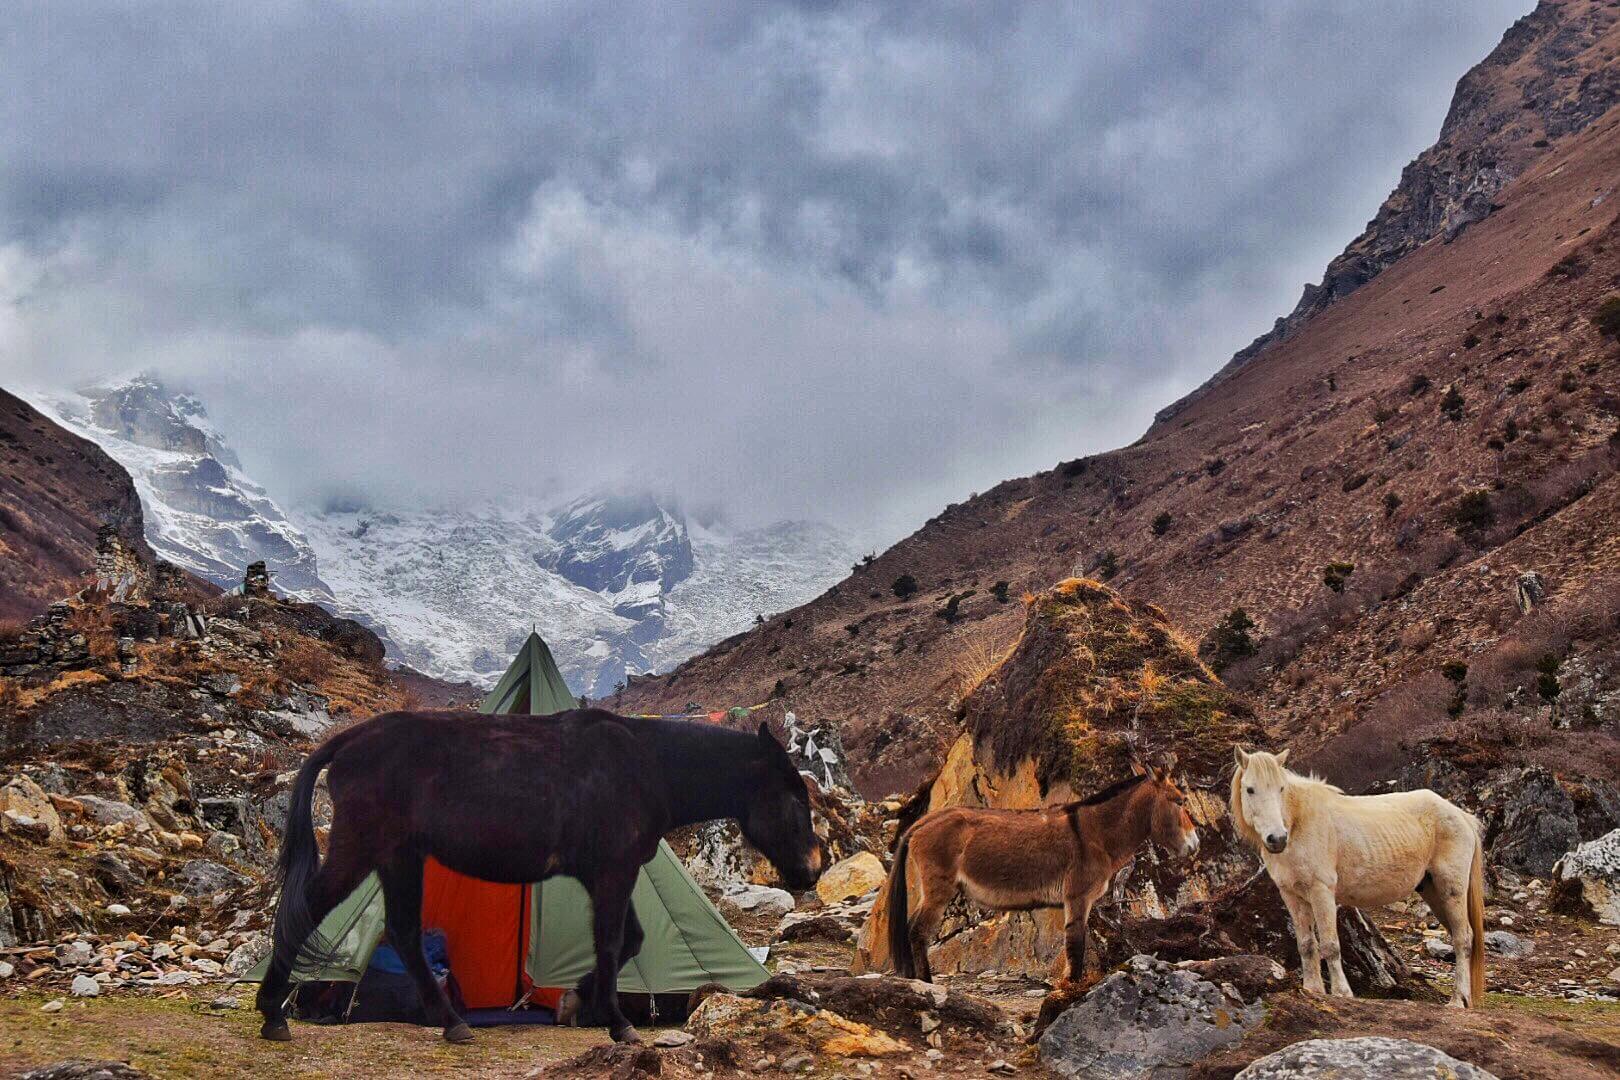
(843, 261)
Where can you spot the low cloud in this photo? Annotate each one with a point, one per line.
(847, 261)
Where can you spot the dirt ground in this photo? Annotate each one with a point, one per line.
(180, 1037)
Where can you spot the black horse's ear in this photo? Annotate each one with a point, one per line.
(766, 737)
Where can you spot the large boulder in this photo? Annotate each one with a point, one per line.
(1587, 880)
(1532, 821)
(113, 812)
(1367, 1058)
(26, 800)
(850, 878)
(200, 877)
(1150, 1021)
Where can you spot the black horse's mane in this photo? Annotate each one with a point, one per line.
(1119, 787)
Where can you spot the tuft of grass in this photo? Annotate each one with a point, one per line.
(1607, 317)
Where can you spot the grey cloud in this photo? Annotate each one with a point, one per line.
(845, 260)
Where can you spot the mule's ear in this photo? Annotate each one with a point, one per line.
(1137, 767)
(1282, 758)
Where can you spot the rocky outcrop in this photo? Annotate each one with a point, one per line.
(1587, 880)
(1530, 822)
(1150, 1020)
(1093, 675)
(1547, 79)
(56, 492)
(1369, 1058)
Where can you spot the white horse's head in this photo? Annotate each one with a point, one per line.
(1259, 807)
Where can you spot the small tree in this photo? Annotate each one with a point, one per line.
(1607, 319)
(1335, 574)
(1452, 402)
(1162, 523)
(1473, 511)
(1228, 640)
(1392, 503)
(1420, 384)
(905, 586)
(1107, 565)
(999, 591)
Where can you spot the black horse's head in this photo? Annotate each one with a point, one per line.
(776, 818)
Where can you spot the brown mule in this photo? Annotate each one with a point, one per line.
(1018, 860)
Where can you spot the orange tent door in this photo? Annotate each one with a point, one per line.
(484, 927)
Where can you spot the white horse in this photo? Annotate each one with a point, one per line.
(1324, 848)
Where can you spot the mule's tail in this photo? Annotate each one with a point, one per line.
(298, 862)
(905, 965)
(1476, 922)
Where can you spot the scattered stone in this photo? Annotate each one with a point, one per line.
(1439, 948)
(851, 878)
(74, 954)
(761, 898)
(7, 969)
(23, 800)
(1150, 1020)
(54, 1005)
(1587, 880)
(85, 986)
(1369, 1058)
(246, 956)
(118, 910)
(112, 812)
(1508, 946)
(85, 1070)
(673, 1038)
(200, 877)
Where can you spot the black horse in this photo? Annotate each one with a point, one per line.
(583, 793)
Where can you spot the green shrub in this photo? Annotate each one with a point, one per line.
(1419, 385)
(1452, 402)
(1607, 319)
(1107, 565)
(1392, 503)
(1162, 523)
(1473, 511)
(999, 591)
(1228, 640)
(905, 586)
(1335, 574)
(1547, 677)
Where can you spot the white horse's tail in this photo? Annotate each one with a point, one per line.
(1476, 921)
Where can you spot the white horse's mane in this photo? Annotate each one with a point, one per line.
(1297, 788)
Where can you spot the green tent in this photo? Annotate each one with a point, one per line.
(547, 926)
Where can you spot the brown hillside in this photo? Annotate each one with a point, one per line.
(1445, 427)
(56, 490)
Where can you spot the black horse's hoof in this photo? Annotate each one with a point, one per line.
(276, 1031)
(458, 1033)
(568, 1009)
(626, 1034)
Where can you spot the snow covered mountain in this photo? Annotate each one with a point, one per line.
(455, 592)
(618, 583)
(202, 511)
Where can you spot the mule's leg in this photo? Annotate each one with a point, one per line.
(402, 900)
(934, 890)
(340, 874)
(1448, 899)
(574, 1001)
(1079, 895)
(1325, 913)
(1310, 960)
(610, 903)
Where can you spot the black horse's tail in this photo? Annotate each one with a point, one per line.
(905, 965)
(299, 861)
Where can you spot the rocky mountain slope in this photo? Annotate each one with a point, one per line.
(617, 582)
(56, 491)
(1370, 490)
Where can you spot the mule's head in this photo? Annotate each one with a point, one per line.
(1259, 806)
(1173, 828)
(776, 817)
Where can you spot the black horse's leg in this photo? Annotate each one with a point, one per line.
(610, 905)
(575, 1001)
(402, 898)
(340, 874)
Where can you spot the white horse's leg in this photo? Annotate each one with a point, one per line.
(1325, 910)
(1448, 899)
(1310, 961)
